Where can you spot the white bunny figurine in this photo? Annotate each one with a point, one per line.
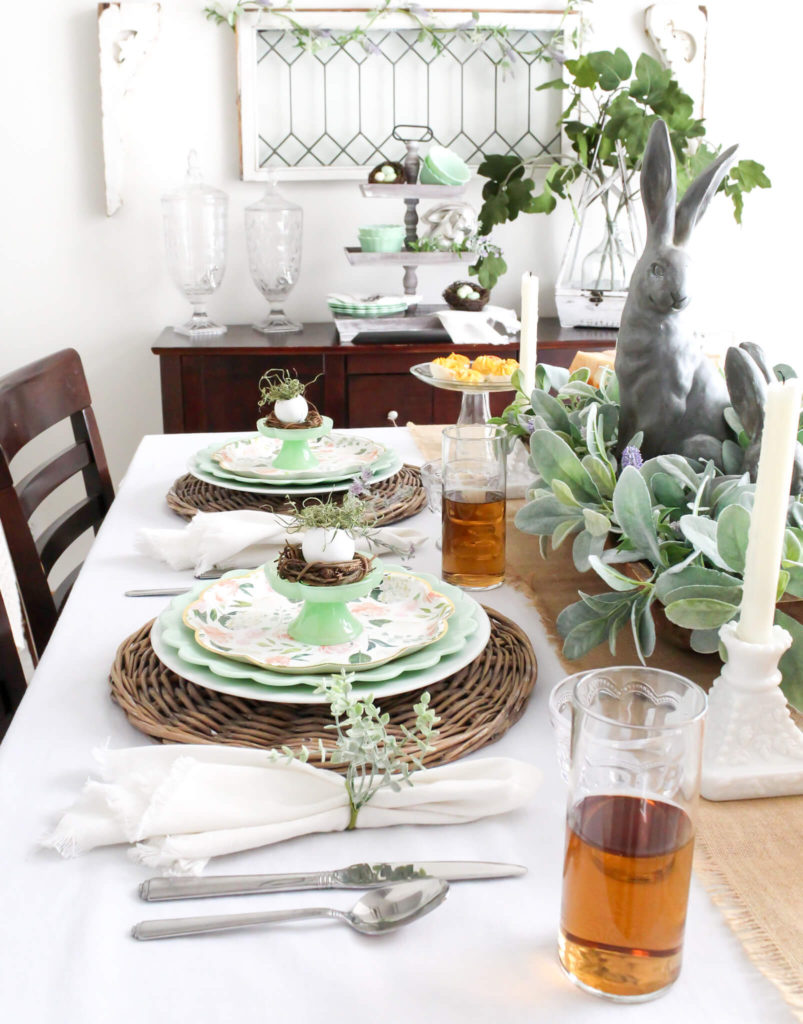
(668, 388)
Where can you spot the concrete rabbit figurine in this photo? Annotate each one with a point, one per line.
(668, 388)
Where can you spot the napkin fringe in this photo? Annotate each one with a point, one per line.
(62, 840)
(158, 857)
(171, 546)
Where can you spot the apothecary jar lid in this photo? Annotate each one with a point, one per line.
(272, 198)
(194, 189)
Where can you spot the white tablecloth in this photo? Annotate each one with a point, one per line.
(487, 955)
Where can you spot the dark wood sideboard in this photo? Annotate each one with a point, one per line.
(210, 384)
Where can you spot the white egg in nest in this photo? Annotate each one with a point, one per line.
(321, 545)
(291, 410)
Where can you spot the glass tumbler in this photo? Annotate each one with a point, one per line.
(634, 780)
(473, 505)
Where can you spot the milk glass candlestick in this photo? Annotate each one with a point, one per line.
(528, 339)
(768, 520)
(752, 747)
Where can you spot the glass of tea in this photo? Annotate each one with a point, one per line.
(634, 778)
(473, 505)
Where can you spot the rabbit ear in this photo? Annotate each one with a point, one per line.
(757, 354)
(658, 185)
(747, 389)
(699, 194)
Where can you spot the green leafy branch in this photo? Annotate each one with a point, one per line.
(680, 527)
(374, 756)
(611, 108)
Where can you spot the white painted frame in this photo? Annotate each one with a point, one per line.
(251, 22)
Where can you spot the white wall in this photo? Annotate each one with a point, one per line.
(71, 276)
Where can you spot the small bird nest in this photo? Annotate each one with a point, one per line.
(400, 178)
(313, 420)
(294, 567)
(469, 305)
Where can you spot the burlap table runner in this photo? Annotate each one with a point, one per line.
(748, 851)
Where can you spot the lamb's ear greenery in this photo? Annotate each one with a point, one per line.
(687, 523)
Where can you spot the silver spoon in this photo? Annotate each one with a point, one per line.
(378, 911)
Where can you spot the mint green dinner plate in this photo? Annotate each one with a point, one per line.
(174, 644)
(210, 465)
(202, 468)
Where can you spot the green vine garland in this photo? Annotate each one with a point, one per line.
(313, 39)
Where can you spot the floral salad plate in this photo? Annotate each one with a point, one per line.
(245, 619)
(338, 456)
(174, 644)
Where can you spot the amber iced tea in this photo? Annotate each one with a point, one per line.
(625, 887)
(473, 505)
(474, 539)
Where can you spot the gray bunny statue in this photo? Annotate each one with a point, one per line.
(668, 388)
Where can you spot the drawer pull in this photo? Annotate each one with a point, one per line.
(393, 416)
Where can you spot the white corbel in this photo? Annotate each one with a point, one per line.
(126, 33)
(678, 31)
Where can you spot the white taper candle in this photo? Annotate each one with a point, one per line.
(768, 520)
(528, 339)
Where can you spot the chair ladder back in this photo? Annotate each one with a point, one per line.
(97, 478)
(37, 598)
(33, 399)
(12, 677)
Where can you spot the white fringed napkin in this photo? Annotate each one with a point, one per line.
(243, 539)
(181, 805)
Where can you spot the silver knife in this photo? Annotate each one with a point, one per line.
(210, 574)
(157, 592)
(357, 876)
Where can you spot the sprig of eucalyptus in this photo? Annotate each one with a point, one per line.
(374, 756)
(685, 523)
(611, 107)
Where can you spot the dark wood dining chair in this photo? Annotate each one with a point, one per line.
(33, 399)
(12, 675)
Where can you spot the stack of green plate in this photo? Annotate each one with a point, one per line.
(382, 306)
(246, 464)
(231, 636)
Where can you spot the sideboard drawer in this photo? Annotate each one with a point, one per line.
(372, 396)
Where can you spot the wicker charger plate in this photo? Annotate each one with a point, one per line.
(394, 499)
(477, 705)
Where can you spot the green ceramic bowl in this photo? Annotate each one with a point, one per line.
(443, 167)
(382, 238)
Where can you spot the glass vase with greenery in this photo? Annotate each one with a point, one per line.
(606, 122)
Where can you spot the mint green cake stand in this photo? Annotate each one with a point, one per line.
(295, 452)
(324, 617)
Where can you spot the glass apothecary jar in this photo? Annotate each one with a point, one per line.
(273, 231)
(195, 220)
